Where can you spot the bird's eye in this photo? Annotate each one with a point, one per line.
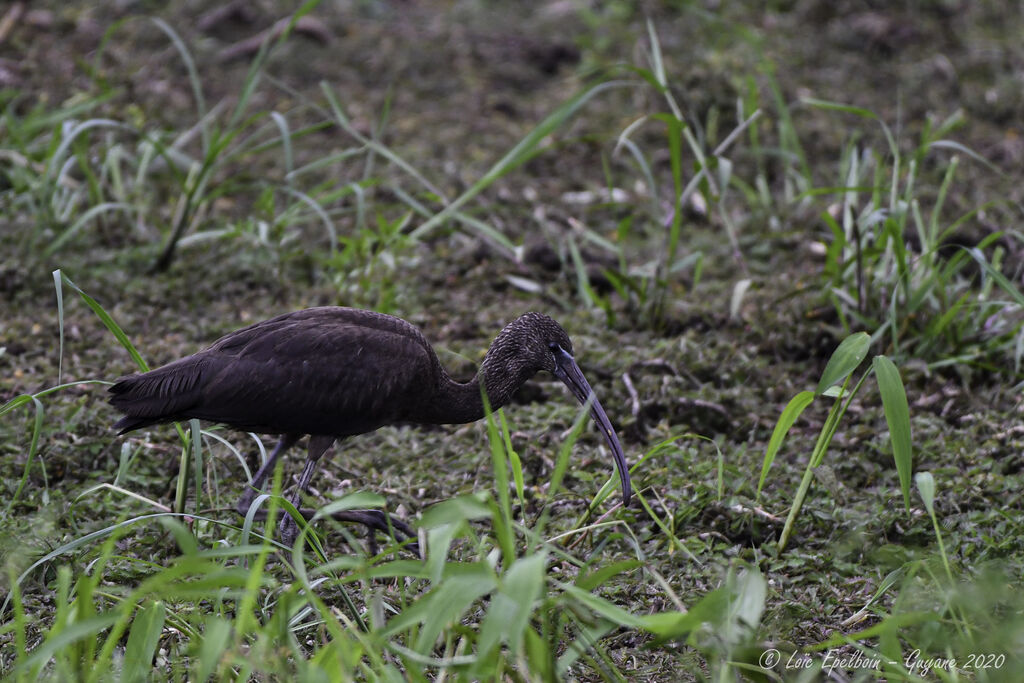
(553, 346)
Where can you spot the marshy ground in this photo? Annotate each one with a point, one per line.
(429, 160)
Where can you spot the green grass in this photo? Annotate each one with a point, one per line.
(713, 242)
(840, 368)
(492, 612)
(922, 300)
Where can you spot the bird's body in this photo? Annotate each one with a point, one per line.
(333, 372)
(329, 371)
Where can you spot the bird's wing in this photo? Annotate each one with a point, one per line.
(160, 395)
(324, 371)
(319, 374)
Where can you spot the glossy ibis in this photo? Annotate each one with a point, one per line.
(333, 372)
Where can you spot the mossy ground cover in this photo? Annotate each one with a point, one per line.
(708, 198)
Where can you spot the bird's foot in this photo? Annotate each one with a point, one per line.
(374, 520)
(378, 520)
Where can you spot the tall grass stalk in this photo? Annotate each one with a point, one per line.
(844, 361)
(892, 266)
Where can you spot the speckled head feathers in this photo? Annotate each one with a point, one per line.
(520, 350)
(539, 329)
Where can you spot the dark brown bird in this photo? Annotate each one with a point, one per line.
(333, 372)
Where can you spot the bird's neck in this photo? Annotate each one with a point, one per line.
(462, 402)
(502, 372)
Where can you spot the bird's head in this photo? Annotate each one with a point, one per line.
(530, 343)
(534, 342)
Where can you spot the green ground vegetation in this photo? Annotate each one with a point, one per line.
(785, 238)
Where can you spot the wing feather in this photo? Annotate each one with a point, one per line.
(332, 371)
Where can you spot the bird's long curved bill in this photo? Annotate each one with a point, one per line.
(569, 372)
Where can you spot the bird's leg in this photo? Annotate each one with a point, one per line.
(284, 443)
(372, 519)
(318, 445)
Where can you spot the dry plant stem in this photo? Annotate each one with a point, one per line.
(11, 18)
(245, 49)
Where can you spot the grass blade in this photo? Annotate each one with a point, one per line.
(792, 411)
(844, 360)
(107, 320)
(897, 416)
(142, 641)
(526, 149)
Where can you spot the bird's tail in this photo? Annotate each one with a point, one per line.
(162, 395)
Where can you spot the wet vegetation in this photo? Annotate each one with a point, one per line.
(785, 238)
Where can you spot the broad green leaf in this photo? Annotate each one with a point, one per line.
(677, 626)
(509, 614)
(527, 148)
(458, 509)
(753, 590)
(792, 411)
(107, 320)
(604, 608)
(142, 641)
(513, 457)
(897, 416)
(336, 661)
(836, 391)
(445, 605)
(216, 636)
(845, 359)
(594, 579)
(60, 641)
(926, 487)
(539, 655)
(355, 500)
(439, 540)
(185, 539)
(445, 602)
(37, 428)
